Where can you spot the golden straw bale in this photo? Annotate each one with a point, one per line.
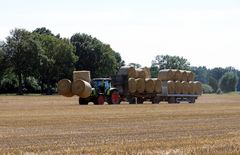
(140, 85)
(131, 85)
(171, 87)
(165, 74)
(81, 88)
(65, 88)
(178, 87)
(190, 76)
(149, 85)
(81, 75)
(157, 85)
(127, 70)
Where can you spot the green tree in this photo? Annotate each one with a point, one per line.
(2, 60)
(171, 62)
(213, 83)
(229, 82)
(154, 71)
(201, 73)
(135, 65)
(119, 60)
(44, 30)
(22, 53)
(57, 60)
(95, 56)
(217, 72)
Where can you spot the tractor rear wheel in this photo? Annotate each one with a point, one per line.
(114, 98)
(100, 100)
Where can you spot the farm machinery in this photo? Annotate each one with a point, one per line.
(134, 86)
(102, 91)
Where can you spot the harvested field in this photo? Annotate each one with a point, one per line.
(58, 125)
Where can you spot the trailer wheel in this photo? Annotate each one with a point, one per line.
(140, 100)
(155, 100)
(192, 100)
(83, 101)
(132, 100)
(100, 100)
(171, 100)
(114, 98)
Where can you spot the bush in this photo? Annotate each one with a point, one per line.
(207, 89)
(228, 82)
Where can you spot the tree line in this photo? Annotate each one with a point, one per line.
(33, 62)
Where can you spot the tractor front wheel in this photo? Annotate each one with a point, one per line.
(100, 100)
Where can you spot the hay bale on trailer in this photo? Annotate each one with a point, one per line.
(131, 85)
(147, 72)
(149, 85)
(191, 88)
(157, 85)
(177, 75)
(81, 75)
(178, 87)
(198, 86)
(65, 88)
(184, 75)
(127, 70)
(140, 85)
(165, 75)
(185, 87)
(81, 88)
(171, 87)
(140, 73)
(190, 76)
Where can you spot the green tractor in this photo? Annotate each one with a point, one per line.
(102, 91)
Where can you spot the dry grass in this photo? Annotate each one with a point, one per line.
(58, 125)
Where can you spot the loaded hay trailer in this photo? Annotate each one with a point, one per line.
(172, 86)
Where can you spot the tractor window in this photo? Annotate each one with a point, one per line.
(107, 84)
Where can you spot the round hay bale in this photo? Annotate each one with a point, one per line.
(184, 75)
(140, 85)
(191, 88)
(165, 74)
(81, 75)
(149, 85)
(64, 88)
(198, 86)
(177, 75)
(185, 86)
(157, 85)
(131, 85)
(81, 88)
(171, 87)
(178, 87)
(127, 70)
(190, 76)
(140, 73)
(147, 72)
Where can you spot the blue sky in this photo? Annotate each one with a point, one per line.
(206, 32)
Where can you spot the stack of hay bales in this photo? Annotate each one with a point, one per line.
(183, 81)
(80, 86)
(140, 81)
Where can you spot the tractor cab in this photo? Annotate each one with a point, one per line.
(101, 85)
